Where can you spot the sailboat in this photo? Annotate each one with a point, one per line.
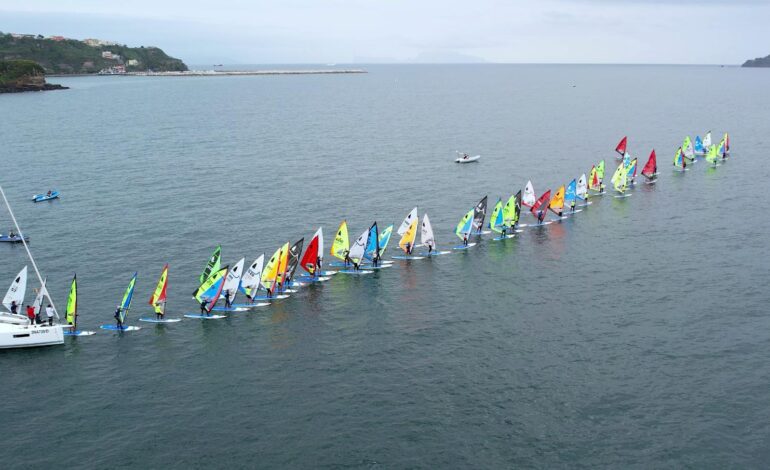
(293, 263)
(427, 238)
(528, 198)
(650, 170)
(18, 332)
(479, 215)
(557, 202)
(312, 260)
(208, 294)
(582, 190)
(463, 231)
(619, 181)
(231, 288)
(631, 171)
(251, 277)
(158, 300)
(341, 247)
(269, 277)
(570, 197)
(621, 147)
(408, 238)
(707, 141)
(72, 310)
(280, 270)
(540, 209)
(596, 180)
(679, 161)
(512, 212)
(698, 146)
(125, 306)
(497, 222)
(212, 265)
(687, 149)
(356, 255)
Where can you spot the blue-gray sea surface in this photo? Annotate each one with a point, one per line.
(635, 334)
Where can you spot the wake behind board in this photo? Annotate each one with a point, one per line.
(311, 279)
(622, 196)
(381, 266)
(435, 253)
(204, 317)
(125, 328)
(547, 222)
(275, 297)
(500, 238)
(353, 272)
(229, 309)
(79, 333)
(464, 247)
(340, 264)
(162, 320)
(407, 257)
(250, 306)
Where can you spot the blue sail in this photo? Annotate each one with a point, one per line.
(127, 296)
(571, 193)
(698, 147)
(373, 243)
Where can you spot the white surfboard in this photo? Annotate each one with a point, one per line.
(163, 320)
(204, 317)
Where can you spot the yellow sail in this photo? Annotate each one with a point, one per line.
(271, 270)
(159, 295)
(341, 244)
(409, 236)
(72, 303)
(283, 261)
(557, 201)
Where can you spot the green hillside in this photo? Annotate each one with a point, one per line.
(73, 56)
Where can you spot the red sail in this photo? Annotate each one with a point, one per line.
(542, 203)
(594, 183)
(650, 166)
(310, 259)
(621, 148)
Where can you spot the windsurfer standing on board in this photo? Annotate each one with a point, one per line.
(118, 321)
(540, 216)
(204, 310)
(160, 309)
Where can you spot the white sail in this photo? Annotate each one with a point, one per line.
(250, 278)
(233, 279)
(41, 294)
(582, 187)
(528, 198)
(707, 140)
(320, 235)
(688, 151)
(16, 291)
(407, 222)
(426, 234)
(357, 250)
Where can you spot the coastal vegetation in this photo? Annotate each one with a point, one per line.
(58, 55)
(23, 75)
(758, 62)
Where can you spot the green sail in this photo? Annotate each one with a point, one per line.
(600, 170)
(213, 265)
(496, 221)
(72, 303)
(510, 215)
(464, 226)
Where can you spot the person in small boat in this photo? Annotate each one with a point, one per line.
(11, 234)
(48, 194)
(227, 298)
(14, 307)
(160, 310)
(118, 320)
(31, 314)
(204, 309)
(465, 156)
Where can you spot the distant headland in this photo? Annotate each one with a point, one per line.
(59, 55)
(758, 62)
(23, 75)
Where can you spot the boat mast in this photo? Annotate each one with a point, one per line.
(29, 253)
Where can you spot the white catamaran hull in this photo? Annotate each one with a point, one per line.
(17, 336)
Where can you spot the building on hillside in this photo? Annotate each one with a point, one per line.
(115, 70)
(106, 55)
(57, 38)
(99, 42)
(132, 62)
(19, 36)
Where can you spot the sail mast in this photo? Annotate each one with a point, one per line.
(29, 253)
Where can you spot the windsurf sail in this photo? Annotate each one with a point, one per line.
(41, 293)
(512, 210)
(341, 244)
(557, 203)
(372, 250)
(251, 278)
(582, 188)
(270, 272)
(687, 149)
(158, 297)
(626, 159)
(212, 265)
(465, 226)
(496, 220)
(17, 291)
(385, 238)
(311, 259)
(678, 158)
(541, 205)
(620, 179)
(726, 140)
(570, 194)
(722, 149)
(698, 146)
(712, 156)
(631, 168)
(426, 234)
(294, 252)
(651, 167)
(125, 304)
(407, 222)
(707, 140)
(359, 247)
(283, 263)
(409, 237)
(479, 214)
(528, 198)
(72, 304)
(233, 280)
(211, 288)
(600, 170)
(593, 179)
(621, 147)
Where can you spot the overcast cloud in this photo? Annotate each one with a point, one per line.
(344, 31)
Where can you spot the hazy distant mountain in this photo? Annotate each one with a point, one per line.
(758, 62)
(425, 57)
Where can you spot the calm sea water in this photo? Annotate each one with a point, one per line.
(634, 335)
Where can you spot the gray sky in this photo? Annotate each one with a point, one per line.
(344, 31)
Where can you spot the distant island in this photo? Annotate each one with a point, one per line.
(23, 75)
(59, 55)
(758, 62)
